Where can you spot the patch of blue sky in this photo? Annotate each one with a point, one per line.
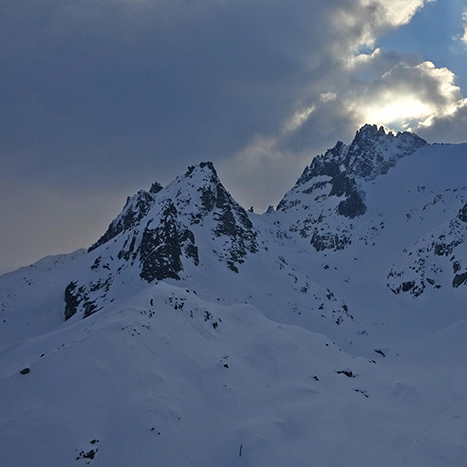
(434, 33)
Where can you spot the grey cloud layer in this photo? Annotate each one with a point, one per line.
(99, 94)
(87, 83)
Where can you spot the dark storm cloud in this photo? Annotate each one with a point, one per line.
(102, 97)
(88, 84)
(91, 87)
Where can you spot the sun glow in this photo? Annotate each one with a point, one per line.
(399, 111)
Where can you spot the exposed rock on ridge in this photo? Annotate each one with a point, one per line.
(333, 185)
(207, 202)
(162, 247)
(133, 212)
(433, 258)
(155, 234)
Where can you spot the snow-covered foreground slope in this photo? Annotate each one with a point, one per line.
(328, 332)
(159, 385)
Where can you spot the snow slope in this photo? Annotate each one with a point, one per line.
(330, 331)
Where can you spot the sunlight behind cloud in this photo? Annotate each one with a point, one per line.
(257, 87)
(405, 96)
(397, 112)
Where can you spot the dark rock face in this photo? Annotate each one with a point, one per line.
(155, 188)
(462, 216)
(442, 248)
(233, 223)
(329, 241)
(415, 288)
(326, 183)
(72, 300)
(353, 206)
(368, 156)
(342, 185)
(327, 165)
(83, 298)
(459, 279)
(406, 286)
(129, 250)
(163, 247)
(134, 211)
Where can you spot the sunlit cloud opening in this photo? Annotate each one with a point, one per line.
(405, 96)
(397, 112)
(298, 119)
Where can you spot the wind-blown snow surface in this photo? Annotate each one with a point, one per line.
(331, 331)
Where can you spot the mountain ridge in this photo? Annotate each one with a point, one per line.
(217, 336)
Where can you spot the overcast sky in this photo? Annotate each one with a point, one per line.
(99, 98)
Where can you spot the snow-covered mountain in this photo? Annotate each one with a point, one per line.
(328, 331)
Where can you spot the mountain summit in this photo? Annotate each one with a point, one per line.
(194, 332)
(335, 183)
(155, 236)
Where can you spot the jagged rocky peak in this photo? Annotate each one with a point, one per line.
(328, 164)
(200, 192)
(209, 198)
(154, 237)
(200, 195)
(373, 151)
(341, 169)
(207, 192)
(202, 172)
(135, 209)
(138, 206)
(195, 198)
(331, 191)
(155, 188)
